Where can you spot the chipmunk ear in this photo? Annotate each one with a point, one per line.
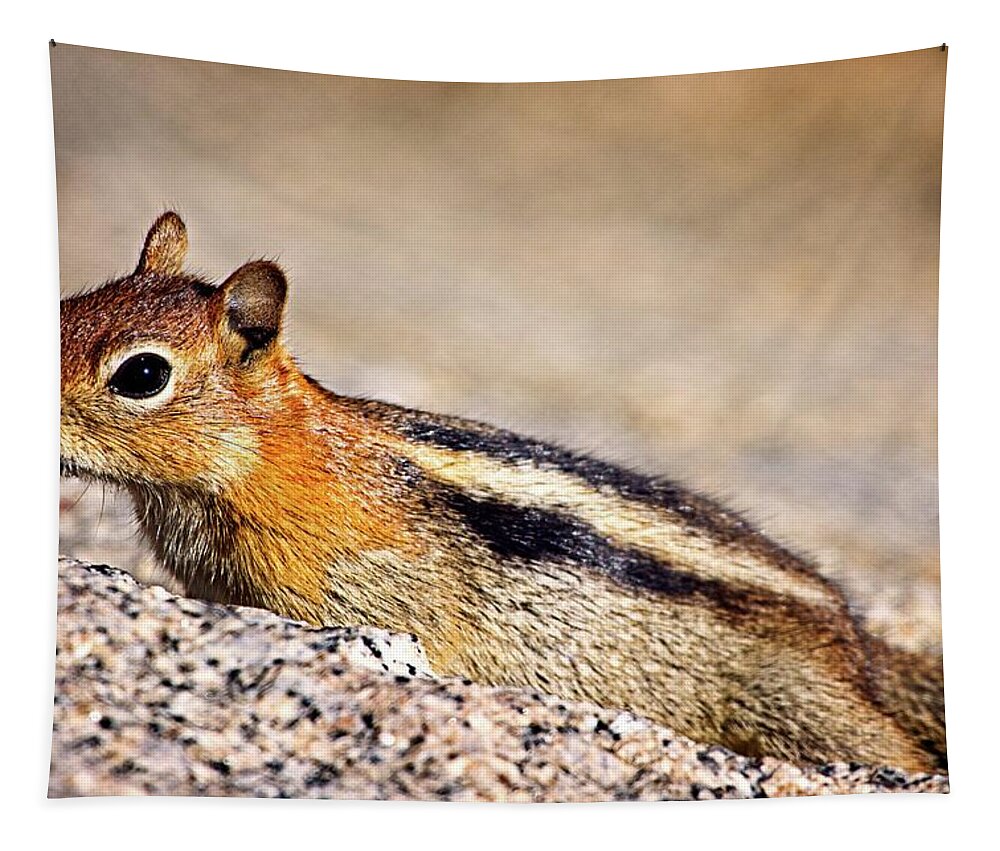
(254, 302)
(165, 248)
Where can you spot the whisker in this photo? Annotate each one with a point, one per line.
(83, 493)
(100, 515)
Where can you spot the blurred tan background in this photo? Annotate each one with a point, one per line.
(729, 279)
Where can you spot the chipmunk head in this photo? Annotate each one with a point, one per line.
(163, 373)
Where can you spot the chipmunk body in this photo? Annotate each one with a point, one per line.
(515, 562)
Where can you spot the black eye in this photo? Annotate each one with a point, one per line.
(140, 377)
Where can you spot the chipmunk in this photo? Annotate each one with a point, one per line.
(516, 562)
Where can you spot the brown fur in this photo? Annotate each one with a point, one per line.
(515, 562)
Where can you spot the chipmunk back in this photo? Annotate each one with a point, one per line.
(516, 562)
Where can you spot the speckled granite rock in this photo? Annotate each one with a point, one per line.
(162, 695)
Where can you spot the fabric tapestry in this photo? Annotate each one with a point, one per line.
(536, 442)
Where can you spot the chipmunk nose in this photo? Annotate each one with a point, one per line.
(65, 438)
(70, 430)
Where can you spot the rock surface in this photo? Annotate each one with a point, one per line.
(163, 695)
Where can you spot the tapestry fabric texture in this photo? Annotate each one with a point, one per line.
(568, 441)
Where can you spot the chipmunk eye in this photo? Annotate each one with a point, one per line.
(140, 377)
